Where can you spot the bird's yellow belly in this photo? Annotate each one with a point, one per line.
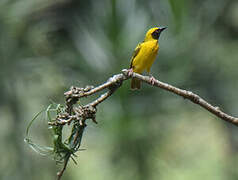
(144, 60)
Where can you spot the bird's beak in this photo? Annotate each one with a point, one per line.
(162, 28)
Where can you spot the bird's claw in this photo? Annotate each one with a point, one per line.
(130, 72)
(152, 80)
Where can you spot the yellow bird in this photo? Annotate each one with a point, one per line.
(145, 54)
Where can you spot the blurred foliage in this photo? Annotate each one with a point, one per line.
(47, 46)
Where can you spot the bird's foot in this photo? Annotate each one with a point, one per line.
(130, 72)
(152, 80)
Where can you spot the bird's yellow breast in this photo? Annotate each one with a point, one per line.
(146, 56)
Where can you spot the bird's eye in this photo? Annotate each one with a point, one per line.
(155, 34)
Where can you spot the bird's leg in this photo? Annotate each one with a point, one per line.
(130, 72)
(152, 79)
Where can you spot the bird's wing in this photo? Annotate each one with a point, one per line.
(135, 53)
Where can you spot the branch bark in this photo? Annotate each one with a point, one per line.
(188, 95)
(78, 114)
(116, 81)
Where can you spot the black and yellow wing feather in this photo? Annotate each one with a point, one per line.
(135, 83)
(135, 53)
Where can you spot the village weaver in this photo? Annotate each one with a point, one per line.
(144, 55)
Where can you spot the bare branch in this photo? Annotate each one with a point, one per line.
(189, 95)
(78, 114)
(102, 98)
(119, 78)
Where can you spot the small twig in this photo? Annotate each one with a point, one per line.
(102, 98)
(61, 172)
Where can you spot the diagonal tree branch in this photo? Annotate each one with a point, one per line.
(115, 81)
(188, 95)
(78, 114)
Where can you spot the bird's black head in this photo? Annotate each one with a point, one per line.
(157, 32)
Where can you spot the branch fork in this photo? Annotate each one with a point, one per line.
(79, 113)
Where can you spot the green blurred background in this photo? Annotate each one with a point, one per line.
(48, 45)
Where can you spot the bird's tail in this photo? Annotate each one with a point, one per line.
(135, 84)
